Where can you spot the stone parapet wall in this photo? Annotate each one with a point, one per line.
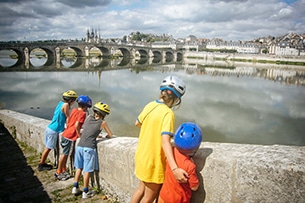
(227, 172)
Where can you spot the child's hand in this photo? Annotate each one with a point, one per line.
(181, 175)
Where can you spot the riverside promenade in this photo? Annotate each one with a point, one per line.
(228, 172)
(20, 181)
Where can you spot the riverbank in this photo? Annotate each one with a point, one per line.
(246, 58)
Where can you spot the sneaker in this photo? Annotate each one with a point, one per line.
(61, 176)
(44, 167)
(76, 191)
(66, 174)
(88, 194)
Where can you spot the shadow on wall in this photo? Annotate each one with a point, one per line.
(199, 195)
(17, 180)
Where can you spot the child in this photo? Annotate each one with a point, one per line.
(57, 125)
(187, 139)
(71, 133)
(156, 122)
(86, 157)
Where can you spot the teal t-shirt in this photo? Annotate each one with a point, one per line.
(59, 119)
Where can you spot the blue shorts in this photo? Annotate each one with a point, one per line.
(66, 145)
(51, 138)
(86, 158)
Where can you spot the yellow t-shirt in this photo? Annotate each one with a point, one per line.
(156, 119)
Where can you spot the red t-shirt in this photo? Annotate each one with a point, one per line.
(172, 191)
(77, 115)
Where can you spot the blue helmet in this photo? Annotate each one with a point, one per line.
(188, 138)
(85, 100)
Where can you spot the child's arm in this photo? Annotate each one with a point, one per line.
(107, 129)
(180, 174)
(138, 124)
(195, 187)
(194, 181)
(77, 128)
(66, 110)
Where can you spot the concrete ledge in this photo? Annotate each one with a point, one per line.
(228, 172)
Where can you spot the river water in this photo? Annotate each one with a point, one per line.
(239, 104)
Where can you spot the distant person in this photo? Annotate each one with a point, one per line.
(57, 125)
(86, 157)
(156, 123)
(187, 140)
(71, 133)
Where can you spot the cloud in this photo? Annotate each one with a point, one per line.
(229, 19)
(82, 3)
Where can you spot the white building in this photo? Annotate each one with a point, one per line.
(245, 48)
(286, 51)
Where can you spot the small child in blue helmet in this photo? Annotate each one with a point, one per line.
(71, 133)
(187, 140)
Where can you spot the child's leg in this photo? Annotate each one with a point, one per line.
(64, 163)
(51, 138)
(77, 175)
(138, 194)
(151, 191)
(66, 146)
(44, 155)
(86, 179)
(60, 164)
(79, 168)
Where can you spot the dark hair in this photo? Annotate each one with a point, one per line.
(82, 105)
(100, 113)
(169, 97)
(68, 99)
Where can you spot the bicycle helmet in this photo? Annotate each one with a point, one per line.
(101, 107)
(70, 94)
(85, 100)
(188, 138)
(175, 84)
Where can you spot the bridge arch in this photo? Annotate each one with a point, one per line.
(78, 51)
(157, 54)
(179, 56)
(105, 51)
(50, 55)
(125, 52)
(20, 58)
(169, 56)
(143, 53)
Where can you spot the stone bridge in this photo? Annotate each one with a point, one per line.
(54, 51)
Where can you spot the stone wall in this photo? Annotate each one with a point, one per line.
(227, 172)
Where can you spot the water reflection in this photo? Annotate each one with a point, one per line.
(241, 104)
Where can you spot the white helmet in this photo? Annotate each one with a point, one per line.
(175, 84)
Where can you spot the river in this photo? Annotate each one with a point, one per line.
(239, 103)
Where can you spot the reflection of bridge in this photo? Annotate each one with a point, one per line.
(89, 64)
(54, 50)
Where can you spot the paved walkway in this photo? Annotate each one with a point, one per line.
(20, 181)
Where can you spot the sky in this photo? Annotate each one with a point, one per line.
(31, 20)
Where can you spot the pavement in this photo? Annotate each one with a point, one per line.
(20, 181)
